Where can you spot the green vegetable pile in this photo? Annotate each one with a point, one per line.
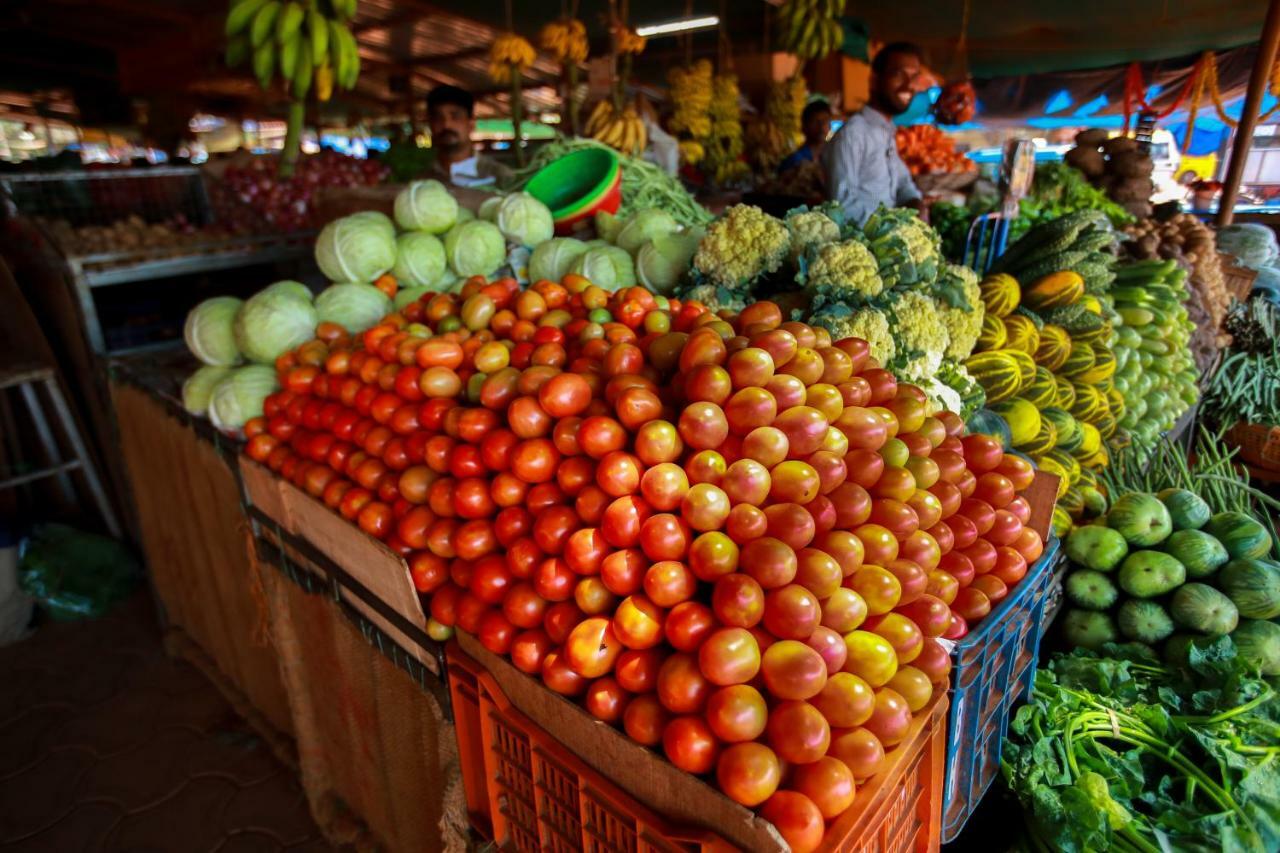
(1123, 753)
(1245, 386)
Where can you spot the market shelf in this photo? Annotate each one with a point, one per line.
(114, 268)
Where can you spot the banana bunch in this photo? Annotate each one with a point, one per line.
(777, 133)
(622, 130)
(690, 95)
(629, 41)
(691, 151)
(565, 40)
(509, 57)
(304, 43)
(723, 161)
(810, 28)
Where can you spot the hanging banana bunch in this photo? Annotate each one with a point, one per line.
(723, 161)
(690, 95)
(810, 28)
(777, 132)
(509, 57)
(612, 122)
(301, 43)
(566, 41)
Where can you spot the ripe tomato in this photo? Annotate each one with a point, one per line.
(860, 751)
(523, 607)
(664, 486)
(891, 719)
(929, 613)
(529, 649)
(690, 744)
(622, 572)
(553, 527)
(1029, 545)
(983, 556)
(878, 587)
(982, 453)
(606, 700)
(560, 677)
(585, 550)
(703, 426)
(554, 580)
(682, 688)
(669, 582)
(665, 537)
(792, 524)
(793, 670)
(637, 669)
(900, 632)
(638, 622)
(913, 686)
(564, 395)
(994, 488)
(798, 732)
(729, 656)
(737, 713)
(1005, 528)
(748, 773)
(1011, 566)
(658, 441)
(1021, 508)
(592, 647)
(1019, 471)
(496, 634)
(622, 520)
(971, 604)
(828, 783)
(791, 612)
(560, 619)
(871, 657)
(911, 577)
(637, 406)
(645, 719)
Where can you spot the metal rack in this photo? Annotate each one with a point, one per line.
(180, 196)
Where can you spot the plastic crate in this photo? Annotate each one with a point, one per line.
(992, 669)
(527, 791)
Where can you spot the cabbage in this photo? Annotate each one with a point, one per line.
(662, 261)
(475, 248)
(449, 282)
(292, 289)
(419, 259)
(426, 206)
(210, 331)
(608, 225)
(643, 226)
(407, 295)
(273, 322)
(524, 220)
(489, 208)
(239, 396)
(356, 248)
(354, 307)
(465, 214)
(552, 259)
(606, 266)
(199, 387)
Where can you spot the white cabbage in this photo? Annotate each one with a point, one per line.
(606, 266)
(356, 248)
(273, 322)
(426, 206)
(198, 388)
(524, 220)
(552, 259)
(210, 331)
(643, 226)
(663, 261)
(354, 307)
(475, 248)
(239, 396)
(420, 259)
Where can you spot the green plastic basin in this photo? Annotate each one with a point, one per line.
(577, 185)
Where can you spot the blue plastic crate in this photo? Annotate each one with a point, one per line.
(991, 671)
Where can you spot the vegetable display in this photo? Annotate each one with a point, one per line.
(1120, 752)
(927, 150)
(1118, 165)
(1245, 386)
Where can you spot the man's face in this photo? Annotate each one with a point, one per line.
(450, 126)
(896, 86)
(817, 127)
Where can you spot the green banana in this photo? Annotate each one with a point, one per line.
(241, 14)
(303, 73)
(263, 23)
(289, 57)
(237, 50)
(289, 21)
(318, 28)
(353, 59)
(264, 63)
(337, 51)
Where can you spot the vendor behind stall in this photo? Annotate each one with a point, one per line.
(815, 123)
(451, 117)
(861, 162)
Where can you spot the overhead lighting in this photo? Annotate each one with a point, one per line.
(683, 25)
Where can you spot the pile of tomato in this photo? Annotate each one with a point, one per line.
(735, 539)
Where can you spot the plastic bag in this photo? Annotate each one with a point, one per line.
(73, 574)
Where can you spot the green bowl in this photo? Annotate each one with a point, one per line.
(577, 184)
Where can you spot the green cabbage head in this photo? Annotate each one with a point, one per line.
(420, 259)
(475, 248)
(426, 206)
(273, 322)
(210, 331)
(643, 226)
(551, 260)
(524, 220)
(406, 295)
(198, 388)
(606, 266)
(240, 395)
(663, 261)
(356, 248)
(354, 307)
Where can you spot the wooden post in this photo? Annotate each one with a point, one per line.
(1249, 113)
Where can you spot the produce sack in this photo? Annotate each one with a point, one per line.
(73, 574)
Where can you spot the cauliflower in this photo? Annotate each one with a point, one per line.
(742, 245)
(961, 309)
(918, 327)
(957, 377)
(842, 272)
(870, 324)
(907, 250)
(810, 228)
(716, 298)
(947, 385)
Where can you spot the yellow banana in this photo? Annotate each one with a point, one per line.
(263, 22)
(348, 80)
(337, 51)
(324, 81)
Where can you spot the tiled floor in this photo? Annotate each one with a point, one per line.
(106, 744)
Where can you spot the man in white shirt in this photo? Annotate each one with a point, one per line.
(861, 162)
(451, 117)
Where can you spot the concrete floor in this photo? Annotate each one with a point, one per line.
(107, 744)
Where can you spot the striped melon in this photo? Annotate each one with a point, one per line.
(1055, 346)
(1091, 303)
(1090, 403)
(1104, 367)
(996, 372)
(1066, 392)
(1066, 460)
(1106, 424)
(1023, 419)
(1054, 290)
(1094, 503)
(1053, 466)
(1042, 391)
(1042, 441)
(993, 334)
(1090, 442)
(1072, 501)
(1088, 479)
(1026, 364)
(1021, 334)
(1065, 425)
(1080, 360)
(1061, 522)
(1102, 333)
(1116, 401)
(1106, 386)
(1001, 294)
(1099, 459)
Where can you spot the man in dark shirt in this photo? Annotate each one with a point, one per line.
(451, 117)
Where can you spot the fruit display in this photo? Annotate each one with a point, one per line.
(299, 43)
(1186, 239)
(689, 91)
(777, 132)
(566, 41)
(286, 203)
(810, 29)
(1155, 372)
(927, 151)
(613, 122)
(1118, 165)
(173, 237)
(1043, 355)
(722, 156)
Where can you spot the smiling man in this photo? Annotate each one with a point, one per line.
(861, 162)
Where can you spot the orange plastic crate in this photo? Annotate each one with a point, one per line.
(529, 792)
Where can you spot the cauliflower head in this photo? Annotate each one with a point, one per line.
(918, 326)
(717, 299)
(963, 321)
(908, 251)
(741, 246)
(870, 324)
(920, 371)
(842, 272)
(810, 228)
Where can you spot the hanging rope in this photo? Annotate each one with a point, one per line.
(1210, 82)
(1135, 93)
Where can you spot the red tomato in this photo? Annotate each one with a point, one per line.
(990, 585)
(738, 600)
(791, 612)
(1005, 528)
(638, 622)
(1029, 545)
(828, 783)
(934, 661)
(748, 773)
(963, 531)
(606, 700)
(729, 656)
(637, 670)
(983, 556)
(860, 751)
(971, 604)
(1021, 508)
(623, 571)
(690, 744)
(645, 719)
(737, 713)
(982, 453)
(891, 719)
(798, 732)
(793, 670)
(682, 688)
(994, 488)
(592, 647)
(529, 649)
(523, 607)
(560, 677)
(496, 634)
(980, 513)
(1011, 565)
